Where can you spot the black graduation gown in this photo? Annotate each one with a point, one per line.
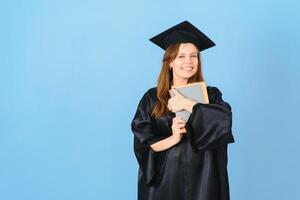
(196, 167)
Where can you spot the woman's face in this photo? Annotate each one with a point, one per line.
(185, 64)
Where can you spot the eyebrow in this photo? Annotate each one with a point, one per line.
(190, 53)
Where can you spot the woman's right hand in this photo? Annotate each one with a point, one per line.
(178, 128)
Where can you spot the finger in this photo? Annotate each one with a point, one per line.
(178, 120)
(175, 91)
(181, 121)
(183, 130)
(170, 107)
(171, 93)
(175, 119)
(181, 125)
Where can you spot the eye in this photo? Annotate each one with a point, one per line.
(180, 56)
(194, 56)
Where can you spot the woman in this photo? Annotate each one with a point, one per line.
(182, 160)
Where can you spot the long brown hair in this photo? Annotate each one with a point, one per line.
(165, 80)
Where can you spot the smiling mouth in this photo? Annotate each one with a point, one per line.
(187, 68)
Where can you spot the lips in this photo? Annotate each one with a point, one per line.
(187, 68)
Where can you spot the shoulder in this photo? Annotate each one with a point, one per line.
(152, 91)
(213, 90)
(214, 94)
(149, 95)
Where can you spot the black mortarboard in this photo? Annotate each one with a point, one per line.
(182, 33)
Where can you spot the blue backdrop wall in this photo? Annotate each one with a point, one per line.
(73, 72)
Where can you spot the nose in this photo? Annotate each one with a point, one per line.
(188, 59)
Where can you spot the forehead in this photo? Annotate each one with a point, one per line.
(187, 48)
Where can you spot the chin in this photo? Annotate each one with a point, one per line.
(189, 75)
(185, 75)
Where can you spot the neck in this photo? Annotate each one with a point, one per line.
(180, 81)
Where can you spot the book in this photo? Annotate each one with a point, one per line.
(194, 91)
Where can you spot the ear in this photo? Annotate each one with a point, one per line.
(171, 64)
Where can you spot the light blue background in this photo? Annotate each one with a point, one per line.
(73, 72)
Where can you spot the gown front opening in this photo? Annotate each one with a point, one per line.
(196, 167)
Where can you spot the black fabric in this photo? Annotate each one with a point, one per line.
(196, 167)
(181, 33)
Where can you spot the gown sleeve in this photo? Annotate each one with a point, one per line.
(210, 124)
(151, 163)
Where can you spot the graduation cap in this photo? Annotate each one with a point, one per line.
(182, 33)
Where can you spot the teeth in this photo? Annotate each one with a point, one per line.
(187, 68)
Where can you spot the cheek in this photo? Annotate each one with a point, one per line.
(195, 70)
(177, 64)
(195, 62)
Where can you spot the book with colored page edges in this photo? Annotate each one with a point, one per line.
(194, 91)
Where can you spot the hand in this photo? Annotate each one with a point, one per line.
(177, 102)
(178, 128)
